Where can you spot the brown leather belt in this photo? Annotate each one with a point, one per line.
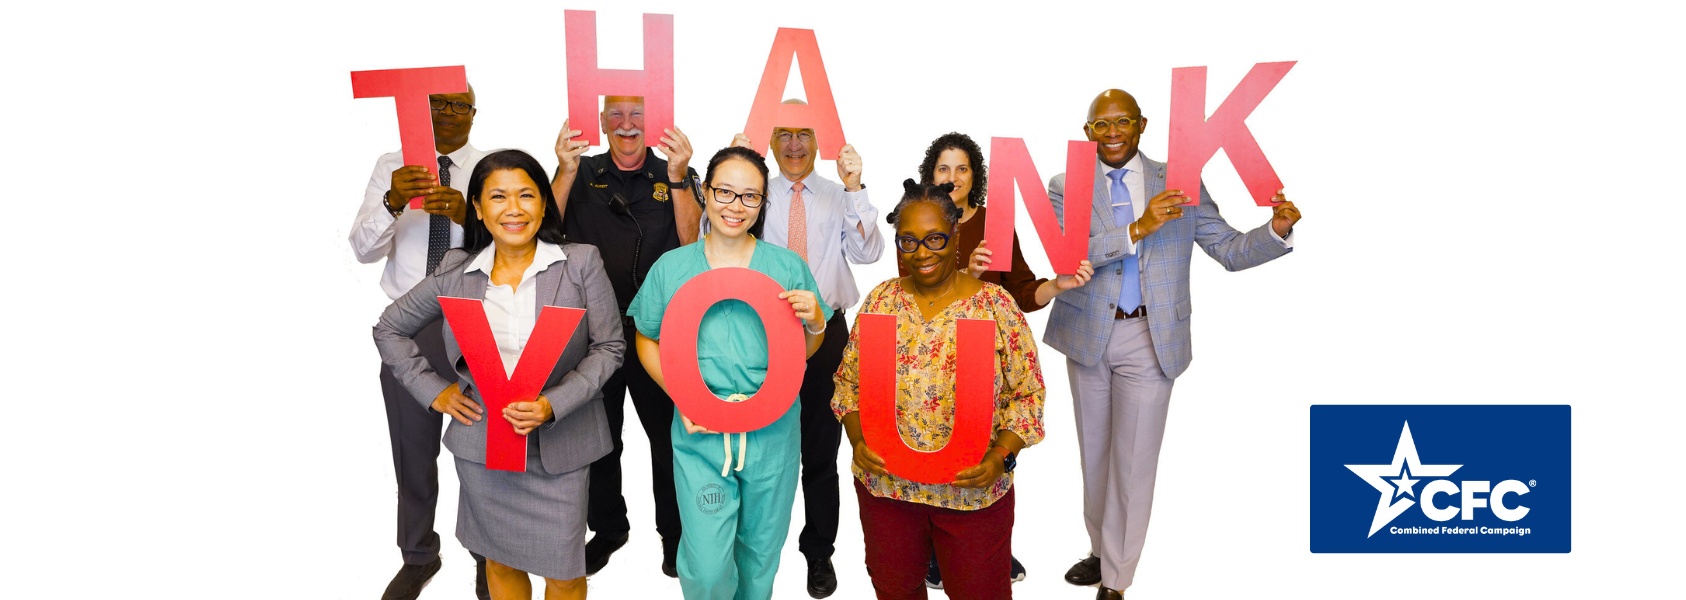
(1120, 314)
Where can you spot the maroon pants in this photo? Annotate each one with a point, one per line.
(974, 548)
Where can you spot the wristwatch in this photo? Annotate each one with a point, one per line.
(1008, 459)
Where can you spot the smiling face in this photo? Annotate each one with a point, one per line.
(511, 206)
(926, 268)
(450, 130)
(796, 150)
(623, 122)
(734, 220)
(953, 166)
(1117, 145)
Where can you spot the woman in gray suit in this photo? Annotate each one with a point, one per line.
(515, 260)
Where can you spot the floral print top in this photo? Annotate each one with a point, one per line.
(925, 370)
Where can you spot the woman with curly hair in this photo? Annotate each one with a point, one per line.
(956, 160)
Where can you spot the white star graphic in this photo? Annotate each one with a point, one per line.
(1405, 456)
(1405, 483)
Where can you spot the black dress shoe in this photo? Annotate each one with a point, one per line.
(481, 590)
(670, 559)
(1085, 572)
(1107, 593)
(597, 550)
(822, 579)
(410, 580)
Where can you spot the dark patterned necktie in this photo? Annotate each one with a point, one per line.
(439, 226)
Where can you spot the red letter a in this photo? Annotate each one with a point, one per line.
(820, 113)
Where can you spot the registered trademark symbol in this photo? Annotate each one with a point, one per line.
(1530, 483)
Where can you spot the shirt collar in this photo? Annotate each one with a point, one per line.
(813, 183)
(1134, 165)
(463, 158)
(546, 255)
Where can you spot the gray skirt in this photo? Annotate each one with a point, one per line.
(532, 521)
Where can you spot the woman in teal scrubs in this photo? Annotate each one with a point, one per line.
(736, 516)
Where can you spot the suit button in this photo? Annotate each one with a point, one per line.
(1110, 305)
(1118, 272)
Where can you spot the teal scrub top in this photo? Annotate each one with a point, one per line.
(731, 342)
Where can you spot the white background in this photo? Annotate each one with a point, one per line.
(1490, 207)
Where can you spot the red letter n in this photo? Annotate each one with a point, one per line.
(1067, 245)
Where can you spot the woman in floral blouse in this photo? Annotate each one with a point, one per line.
(968, 522)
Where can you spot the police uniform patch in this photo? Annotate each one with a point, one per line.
(661, 192)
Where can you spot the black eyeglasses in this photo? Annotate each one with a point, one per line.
(749, 199)
(460, 108)
(910, 244)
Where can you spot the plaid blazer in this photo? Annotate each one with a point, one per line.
(1080, 322)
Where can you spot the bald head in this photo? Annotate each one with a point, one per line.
(1119, 98)
(794, 101)
(1115, 124)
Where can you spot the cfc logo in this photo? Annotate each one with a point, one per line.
(1399, 479)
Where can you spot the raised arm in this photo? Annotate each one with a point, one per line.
(1231, 248)
(568, 153)
(862, 242)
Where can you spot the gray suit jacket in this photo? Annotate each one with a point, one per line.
(1080, 323)
(579, 434)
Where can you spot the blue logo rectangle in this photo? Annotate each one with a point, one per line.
(1440, 478)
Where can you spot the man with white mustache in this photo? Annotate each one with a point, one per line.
(1126, 334)
(634, 206)
(830, 225)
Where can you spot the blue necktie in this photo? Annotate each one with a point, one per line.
(1123, 213)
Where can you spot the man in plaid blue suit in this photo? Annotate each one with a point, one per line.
(1126, 334)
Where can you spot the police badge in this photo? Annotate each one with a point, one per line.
(661, 192)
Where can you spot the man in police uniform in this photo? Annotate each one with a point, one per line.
(634, 206)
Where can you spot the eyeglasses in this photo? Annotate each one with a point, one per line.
(749, 199)
(1105, 126)
(805, 137)
(909, 244)
(460, 108)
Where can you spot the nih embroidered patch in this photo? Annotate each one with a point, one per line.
(1440, 478)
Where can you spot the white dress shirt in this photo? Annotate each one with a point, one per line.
(833, 240)
(1136, 182)
(512, 312)
(403, 241)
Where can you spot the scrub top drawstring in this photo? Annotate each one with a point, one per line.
(743, 444)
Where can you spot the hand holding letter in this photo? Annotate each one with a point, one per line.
(452, 402)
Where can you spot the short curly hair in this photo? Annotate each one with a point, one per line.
(974, 155)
